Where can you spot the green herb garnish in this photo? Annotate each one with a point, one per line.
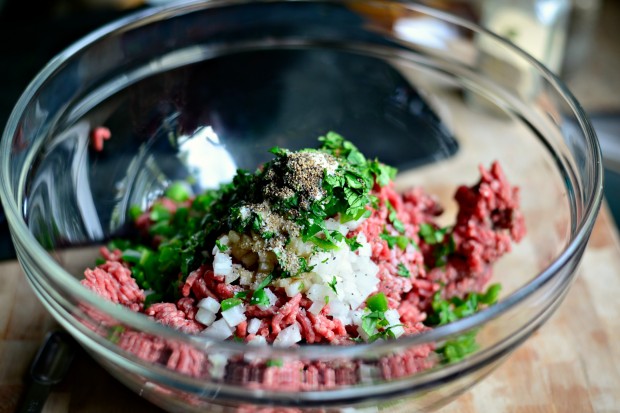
(449, 310)
(377, 302)
(177, 192)
(332, 284)
(260, 297)
(220, 246)
(403, 271)
(393, 218)
(229, 303)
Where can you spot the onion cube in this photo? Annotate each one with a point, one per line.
(218, 330)
(289, 336)
(205, 316)
(234, 315)
(210, 304)
(253, 326)
(258, 341)
(222, 264)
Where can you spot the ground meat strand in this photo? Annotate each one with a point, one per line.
(168, 314)
(113, 281)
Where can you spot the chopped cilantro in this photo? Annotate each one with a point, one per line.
(230, 303)
(260, 297)
(437, 238)
(432, 235)
(400, 240)
(352, 243)
(377, 302)
(332, 284)
(276, 150)
(265, 282)
(178, 192)
(134, 212)
(456, 349)
(220, 246)
(393, 218)
(449, 310)
(403, 271)
(242, 295)
(114, 335)
(160, 213)
(303, 266)
(384, 334)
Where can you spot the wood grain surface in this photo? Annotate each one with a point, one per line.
(572, 364)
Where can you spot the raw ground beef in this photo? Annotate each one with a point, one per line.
(488, 221)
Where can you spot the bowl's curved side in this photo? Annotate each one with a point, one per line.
(563, 145)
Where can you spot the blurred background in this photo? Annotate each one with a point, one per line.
(577, 39)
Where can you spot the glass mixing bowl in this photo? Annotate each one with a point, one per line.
(198, 89)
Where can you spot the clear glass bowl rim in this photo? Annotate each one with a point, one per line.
(21, 235)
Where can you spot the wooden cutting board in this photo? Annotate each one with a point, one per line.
(572, 364)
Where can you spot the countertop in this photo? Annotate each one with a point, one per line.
(572, 364)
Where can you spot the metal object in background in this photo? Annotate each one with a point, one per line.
(49, 368)
(537, 26)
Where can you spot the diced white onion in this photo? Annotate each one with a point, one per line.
(222, 264)
(253, 326)
(333, 225)
(293, 288)
(289, 336)
(210, 304)
(363, 333)
(217, 366)
(365, 250)
(223, 241)
(340, 311)
(316, 307)
(356, 317)
(234, 315)
(230, 278)
(258, 341)
(218, 330)
(245, 212)
(353, 225)
(205, 317)
(393, 318)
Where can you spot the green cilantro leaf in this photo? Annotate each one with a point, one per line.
(377, 302)
(230, 303)
(241, 295)
(456, 349)
(274, 363)
(220, 246)
(332, 284)
(400, 240)
(259, 297)
(178, 192)
(352, 243)
(403, 271)
(432, 235)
